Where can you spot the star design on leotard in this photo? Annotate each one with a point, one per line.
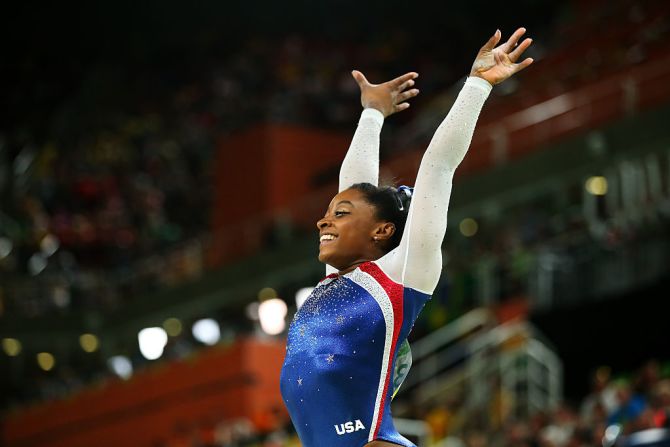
(299, 381)
(339, 319)
(317, 309)
(330, 358)
(302, 331)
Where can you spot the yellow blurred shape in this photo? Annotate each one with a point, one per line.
(89, 342)
(468, 227)
(172, 326)
(597, 185)
(11, 346)
(266, 293)
(46, 361)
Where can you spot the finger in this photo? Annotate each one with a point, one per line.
(404, 96)
(514, 38)
(493, 41)
(514, 55)
(404, 78)
(360, 78)
(525, 63)
(400, 107)
(405, 85)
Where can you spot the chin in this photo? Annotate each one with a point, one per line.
(326, 259)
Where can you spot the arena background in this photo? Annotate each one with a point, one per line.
(162, 165)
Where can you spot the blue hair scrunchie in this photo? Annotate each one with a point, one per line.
(408, 191)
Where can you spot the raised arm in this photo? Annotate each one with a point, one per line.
(417, 262)
(361, 164)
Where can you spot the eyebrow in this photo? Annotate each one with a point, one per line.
(341, 202)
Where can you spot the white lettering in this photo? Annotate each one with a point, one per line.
(349, 427)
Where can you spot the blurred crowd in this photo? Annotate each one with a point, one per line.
(118, 203)
(111, 204)
(615, 407)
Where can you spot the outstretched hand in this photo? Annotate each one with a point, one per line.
(497, 64)
(389, 97)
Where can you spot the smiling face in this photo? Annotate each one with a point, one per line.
(350, 232)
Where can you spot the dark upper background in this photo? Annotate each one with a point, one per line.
(52, 52)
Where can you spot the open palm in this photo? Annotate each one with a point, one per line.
(495, 64)
(390, 97)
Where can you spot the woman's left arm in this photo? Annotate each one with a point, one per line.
(419, 255)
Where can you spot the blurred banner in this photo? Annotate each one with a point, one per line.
(259, 173)
(238, 382)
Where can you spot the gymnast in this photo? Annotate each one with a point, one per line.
(382, 250)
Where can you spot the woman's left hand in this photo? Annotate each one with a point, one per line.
(497, 64)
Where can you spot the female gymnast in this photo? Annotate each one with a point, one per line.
(382, 250)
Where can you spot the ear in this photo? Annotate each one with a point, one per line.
(383, 232)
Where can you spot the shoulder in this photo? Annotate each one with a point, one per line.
(371, 275)
(375, 271)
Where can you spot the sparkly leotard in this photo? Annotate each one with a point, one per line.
(343, 343)
(341, 353)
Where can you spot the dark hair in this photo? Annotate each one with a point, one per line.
(391, 205)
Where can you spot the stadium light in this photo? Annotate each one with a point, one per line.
(121, 366)
(152, 341)
(46, 361)
(266, 293)
(172, 326)
(468, 227)
(272, 313)
(207, 331)
(596, 185)
(89, 342)
(11, 346)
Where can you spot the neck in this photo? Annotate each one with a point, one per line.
(352, 266)
(366, 258)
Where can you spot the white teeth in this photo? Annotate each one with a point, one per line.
(327, 237)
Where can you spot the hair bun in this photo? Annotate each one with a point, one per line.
(404, 197)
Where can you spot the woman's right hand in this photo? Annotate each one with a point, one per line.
(389, 97)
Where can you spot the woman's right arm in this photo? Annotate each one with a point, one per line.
(361, 163)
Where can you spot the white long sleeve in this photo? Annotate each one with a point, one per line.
(417, 261)
(361, 163)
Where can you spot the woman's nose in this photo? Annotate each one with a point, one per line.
(321, 223)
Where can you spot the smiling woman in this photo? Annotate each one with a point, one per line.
(373, 213)
(382, 248)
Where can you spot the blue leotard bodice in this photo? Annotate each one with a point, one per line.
(342, 345)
